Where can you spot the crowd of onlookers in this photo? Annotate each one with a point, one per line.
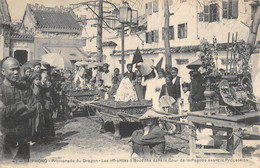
(165, 88)
(32, 97)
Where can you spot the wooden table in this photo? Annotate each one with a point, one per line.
(116, 113)
(231, 124)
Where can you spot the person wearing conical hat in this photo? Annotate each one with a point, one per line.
(150, 141)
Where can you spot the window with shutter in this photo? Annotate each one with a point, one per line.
(156, 36)
(206, 13)
(234, 9)
(148, 8)
(163, 30)
(171, 33)
(224, 10)
(152, 36)
(155, 6)
(213, 13)
(200, 16)
(182, 31)
(230, 9)
(147, 37)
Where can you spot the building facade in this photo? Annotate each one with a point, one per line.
(5, 29)
(190, 22)
(46, 30)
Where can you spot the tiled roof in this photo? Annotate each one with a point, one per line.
(73, 53)
(50, 18)
(22, 36)
(176, 49)
(55, 20)
(5, 17)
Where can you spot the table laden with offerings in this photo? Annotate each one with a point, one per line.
(118, 111)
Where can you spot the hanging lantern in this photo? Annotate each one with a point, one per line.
(125, 13)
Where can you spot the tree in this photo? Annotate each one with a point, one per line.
(254, 26)
(101, 20)
(168, 56)
(99, 32)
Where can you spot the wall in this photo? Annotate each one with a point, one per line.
(184, 12)
(4, 41)
(39, 43)
(27, 45)
(1, 43)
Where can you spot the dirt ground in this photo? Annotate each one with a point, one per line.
(78, 140)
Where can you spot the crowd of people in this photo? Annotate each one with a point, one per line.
(31, 98)
(34, 96)
(165, 88)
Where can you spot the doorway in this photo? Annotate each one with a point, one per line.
(21, 56)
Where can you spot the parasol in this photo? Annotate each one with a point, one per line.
(31, 63)
(57, 60)
(95, 64)
(146, 67)
(195, 64)
(81, 63)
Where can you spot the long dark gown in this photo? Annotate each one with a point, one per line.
(14, 121)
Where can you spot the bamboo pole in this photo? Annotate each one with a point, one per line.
(236, 59)
(227, 53)
(231, 55)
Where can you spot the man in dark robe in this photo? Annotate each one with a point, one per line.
(150, 141)
(197, 91)
(17, 106)
(176, 81)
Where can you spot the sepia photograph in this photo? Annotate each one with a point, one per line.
(129, 83)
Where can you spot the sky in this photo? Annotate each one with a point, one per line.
(17, 7)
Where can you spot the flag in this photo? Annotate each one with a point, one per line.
(137, 57)
(159, 64)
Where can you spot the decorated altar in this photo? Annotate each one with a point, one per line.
(126, 107)
(230, 103)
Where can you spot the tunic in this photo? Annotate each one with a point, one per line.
(107, 78)
(14, 120)
(130, 75)
(158, 82)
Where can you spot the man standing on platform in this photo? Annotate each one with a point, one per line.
(130, 74)
(116, 74)
(17, 106)
(107, 76)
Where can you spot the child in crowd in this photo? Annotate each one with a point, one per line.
(185, 102)
(112, 91)
(91, 84)
(101, 89)
(139, 88)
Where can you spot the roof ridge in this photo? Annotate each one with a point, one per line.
(6, 14)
